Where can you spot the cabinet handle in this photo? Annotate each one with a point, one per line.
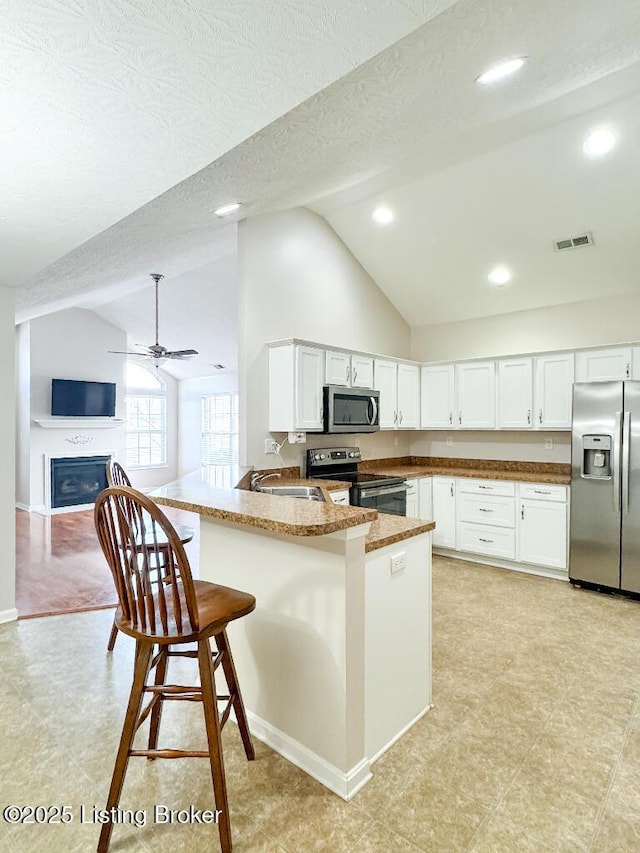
(482, 509)
(460, 417)
(451, 417)
(400, 417)
(489, 488)
(540, 416)
(528, 416)
(451, 489)
(395, 417)
(628, 369)
(484, 540)
(348, 372)
(355, 374)
(541, 492)
(522, 511)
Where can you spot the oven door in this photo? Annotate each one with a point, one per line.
(391, 499)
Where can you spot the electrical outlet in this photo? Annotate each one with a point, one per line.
(449, 441)
(270, 446)
(297, 438)
(548, 444)
(398, 562)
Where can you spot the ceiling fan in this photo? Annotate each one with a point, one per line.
(157, 351)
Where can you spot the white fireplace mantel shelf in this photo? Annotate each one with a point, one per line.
(79, 423)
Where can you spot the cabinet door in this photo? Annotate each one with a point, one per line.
(515, 393)
(554, 391)
(425, 505)
(337, 368)
(361, 371)
(603, 365)
(408, 396)
(385, 374)
(542, 528)
(444, 511)
(309, 369)
(412, 505)
(476, 388)
(437, 401)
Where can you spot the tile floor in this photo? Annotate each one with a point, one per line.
(533, 743)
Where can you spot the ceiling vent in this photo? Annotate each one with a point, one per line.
(577, 242)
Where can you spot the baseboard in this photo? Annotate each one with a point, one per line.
(22, 506)
(402, 732)
(345, 785)
(8, 615)
(539, 571)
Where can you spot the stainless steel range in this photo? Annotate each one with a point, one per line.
(374, 491)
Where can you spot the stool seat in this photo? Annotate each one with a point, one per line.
(164, 609)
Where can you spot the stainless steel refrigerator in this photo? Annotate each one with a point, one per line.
(605, 485)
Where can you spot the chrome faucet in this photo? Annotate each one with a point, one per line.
(257, 478)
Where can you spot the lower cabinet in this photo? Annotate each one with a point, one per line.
(413, 500)
(522, 522)
(542, 525)
(444, 511)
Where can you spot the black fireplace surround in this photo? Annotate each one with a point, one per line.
(77, 480)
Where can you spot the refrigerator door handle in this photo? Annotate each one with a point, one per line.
(626, 448)
(617, 448)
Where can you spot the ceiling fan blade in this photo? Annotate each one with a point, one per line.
(182, 353)
(129, 352)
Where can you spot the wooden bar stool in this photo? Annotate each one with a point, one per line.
(163, 608)
(117, 476)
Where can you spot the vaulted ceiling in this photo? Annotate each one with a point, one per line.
(129, 128)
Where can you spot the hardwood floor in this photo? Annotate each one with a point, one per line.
(60, 567)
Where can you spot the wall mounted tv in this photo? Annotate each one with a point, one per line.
(74, 398)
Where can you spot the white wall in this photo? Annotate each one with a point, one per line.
(72, 344)
(597, 322)
(190, 393)
(7, 455)
(23, 414)
(298, 279)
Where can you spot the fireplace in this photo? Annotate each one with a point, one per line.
(77, 480)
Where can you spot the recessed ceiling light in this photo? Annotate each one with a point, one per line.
(226, 209)
(499, 276)
(502, 69)
(383, 215)
(599, 142)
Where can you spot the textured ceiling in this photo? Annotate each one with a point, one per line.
(105, 105)
(401, 126)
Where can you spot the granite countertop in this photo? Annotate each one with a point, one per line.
(491, 469)
(286, 514)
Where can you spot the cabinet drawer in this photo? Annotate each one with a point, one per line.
(486, 487)
(542, 492)
(487, 509)
(412, 487)
(483, 539)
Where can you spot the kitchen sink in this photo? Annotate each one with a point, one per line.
(310, 493)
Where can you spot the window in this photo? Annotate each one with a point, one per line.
(219, 441)
(146, 415)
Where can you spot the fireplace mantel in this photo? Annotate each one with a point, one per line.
(79, 423)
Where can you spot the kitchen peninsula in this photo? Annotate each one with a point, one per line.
(335, 662)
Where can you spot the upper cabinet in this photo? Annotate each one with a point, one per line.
(515, 393)
(296, 375)
(437, 396)
(399, 387)
(553, 391)
(355, 371)
(603, 365)
(476, 392)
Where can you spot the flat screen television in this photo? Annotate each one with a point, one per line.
(74, 398)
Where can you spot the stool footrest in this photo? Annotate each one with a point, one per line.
(168, 753)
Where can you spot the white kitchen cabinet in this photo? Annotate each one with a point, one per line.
(603, 365)
(553, 391)
(412, 499)
(476, 394)
(437, 396)
(485, 518)
(542, 525)
(340, 496)
(355, 371)
(515, 393)
(399, 387)
(425, 503)
(444, 511)
(296, 376)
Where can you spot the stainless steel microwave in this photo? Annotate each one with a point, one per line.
(350, 409)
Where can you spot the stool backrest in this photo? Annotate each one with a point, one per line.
(116, 475)
(148, 562)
